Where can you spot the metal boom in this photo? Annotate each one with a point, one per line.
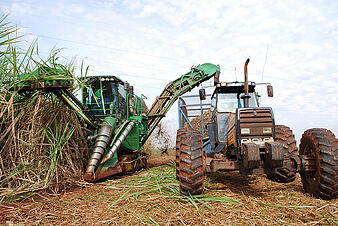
(176, 88)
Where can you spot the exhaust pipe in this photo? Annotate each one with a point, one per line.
(246, 95)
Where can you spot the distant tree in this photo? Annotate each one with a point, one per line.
(163, 137)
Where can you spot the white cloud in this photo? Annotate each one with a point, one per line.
(301, 36)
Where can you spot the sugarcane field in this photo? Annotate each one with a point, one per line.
(168, 112)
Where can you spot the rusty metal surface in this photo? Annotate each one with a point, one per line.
(246, 96)
(308, 163)
(232, 135)
(256, 120)
(101, 174)
(251, 156)
(246, 84)
(132, 165)
(222, 165)
(274, 154)
(127, 163)
(185, 112)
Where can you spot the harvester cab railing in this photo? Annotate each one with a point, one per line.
(190, 108)
(136, 105)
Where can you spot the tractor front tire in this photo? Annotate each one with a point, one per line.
(322, 145)
(284, 136)
(178, 145)
(190, 166)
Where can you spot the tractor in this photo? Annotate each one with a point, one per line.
(239, 135)
(117, 120)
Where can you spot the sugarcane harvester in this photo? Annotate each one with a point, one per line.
(118, 120)
(242, 136)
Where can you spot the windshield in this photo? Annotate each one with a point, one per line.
(228, 102)
(101, 97)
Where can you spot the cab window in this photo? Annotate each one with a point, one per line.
(229, 102)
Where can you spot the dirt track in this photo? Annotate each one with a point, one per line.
(262, 202)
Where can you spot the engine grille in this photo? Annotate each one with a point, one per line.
(255, 124)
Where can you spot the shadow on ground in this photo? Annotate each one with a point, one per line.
(252, 185)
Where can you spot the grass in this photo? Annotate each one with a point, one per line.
(161, 183)
(6, 33)
(144, 198)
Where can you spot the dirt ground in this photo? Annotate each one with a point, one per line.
(261, 202)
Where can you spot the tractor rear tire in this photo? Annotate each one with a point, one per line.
(190, 167)
(322, 145)
(178, 145)
(284, 136)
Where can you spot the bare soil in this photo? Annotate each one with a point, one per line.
(262, 202)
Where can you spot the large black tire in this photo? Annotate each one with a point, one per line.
(284, 135)
(322, 145)
(190, 166)
(178, 145)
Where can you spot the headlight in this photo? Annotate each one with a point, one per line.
(267, 130)
(245, 131)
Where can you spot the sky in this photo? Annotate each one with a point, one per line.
(291, 44)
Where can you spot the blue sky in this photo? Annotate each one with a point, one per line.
(149, 43)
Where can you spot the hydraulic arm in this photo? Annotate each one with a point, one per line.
(176, 88)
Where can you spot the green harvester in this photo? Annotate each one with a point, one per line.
(118, 120)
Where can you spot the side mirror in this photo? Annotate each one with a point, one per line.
(202, 94)
(131, 90)
(216, 78)
(126, 85)
(269, 90)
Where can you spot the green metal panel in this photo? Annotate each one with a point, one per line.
(133, 139)
(109, 163)
(49, 76)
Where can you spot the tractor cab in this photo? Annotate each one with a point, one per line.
(233, 119)
(225, 100)
(227, 97)
(105, 96)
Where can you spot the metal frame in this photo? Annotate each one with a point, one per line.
(183, 116)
